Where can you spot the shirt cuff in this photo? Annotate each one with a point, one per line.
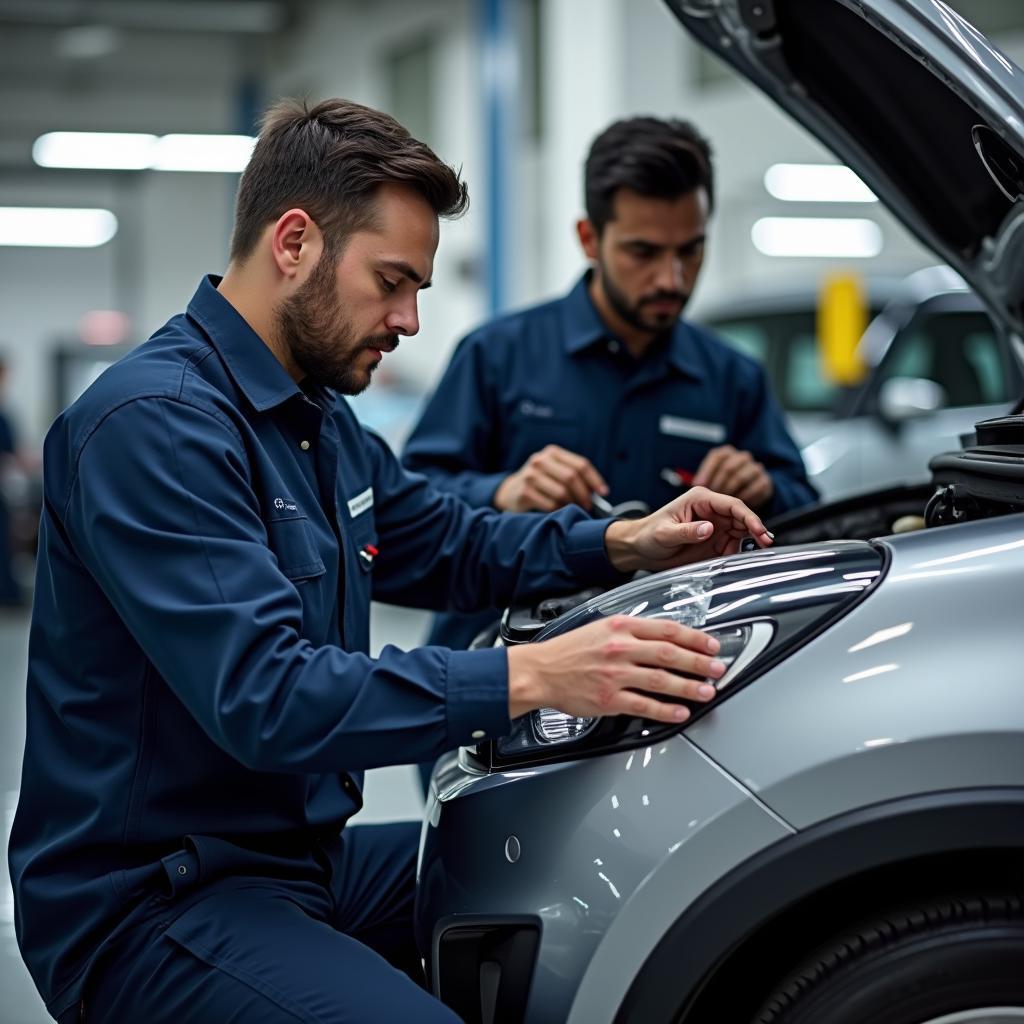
(477, 696)
(479, 491)
(586, 555)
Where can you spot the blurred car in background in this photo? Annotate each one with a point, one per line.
(838, 837)
(931, 365)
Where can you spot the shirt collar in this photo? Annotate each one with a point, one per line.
(255, 369)
(582, 327)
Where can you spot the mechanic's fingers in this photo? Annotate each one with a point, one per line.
(741, 475)
(726, 470)
(534, 501)
(670, 658)
(584, 468)
(758, 491)
(740, 519)
(571, 478)
(674, 633)
(628, 702)
(709, 465)
(671, 534)
(550, 488)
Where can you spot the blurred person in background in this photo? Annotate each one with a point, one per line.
(201, 701)
(10, 465)
(606, 391)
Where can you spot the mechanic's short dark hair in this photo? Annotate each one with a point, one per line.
(329, 160)
(660, 158)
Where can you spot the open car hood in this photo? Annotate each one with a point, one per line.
(915, 100)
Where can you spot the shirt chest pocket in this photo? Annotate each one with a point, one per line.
(292, 541)
(679, 453)
(531, 433)
(364, 540)
(681, 444)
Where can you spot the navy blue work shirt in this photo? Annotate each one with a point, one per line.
(554, 374)
(200, 698)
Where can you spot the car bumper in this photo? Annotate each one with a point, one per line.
(524, 875)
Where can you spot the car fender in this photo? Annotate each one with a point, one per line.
(662, 948)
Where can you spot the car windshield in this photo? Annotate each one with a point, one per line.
(785, 344)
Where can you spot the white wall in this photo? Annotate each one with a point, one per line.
(339, 51)
(633, 58)
(172, 226)
(601, 60)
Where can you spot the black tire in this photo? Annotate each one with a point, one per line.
(909, 966)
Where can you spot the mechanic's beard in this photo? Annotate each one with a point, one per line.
(321, 340)
(632, 312)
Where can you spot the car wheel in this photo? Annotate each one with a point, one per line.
(950, 961)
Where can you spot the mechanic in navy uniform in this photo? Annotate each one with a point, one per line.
(201, 703)
(607, 390)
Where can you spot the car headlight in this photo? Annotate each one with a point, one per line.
(760, 606)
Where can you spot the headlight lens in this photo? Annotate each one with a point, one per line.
(741, 644)
(551, 726)
(759, 606)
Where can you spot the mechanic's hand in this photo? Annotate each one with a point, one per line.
(598, 669)
(549, 479)
(730, 471)
(698, 524)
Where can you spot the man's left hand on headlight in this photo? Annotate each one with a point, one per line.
(697, 525)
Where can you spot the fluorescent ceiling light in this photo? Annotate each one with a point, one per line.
(87, 42)
(118, 151)
(816, 183)
(853, 238)
(53, 226)
(203, 152)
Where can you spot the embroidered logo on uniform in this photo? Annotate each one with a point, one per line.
(695, 430)
(360, 503)
(285, 505)
(528, 408)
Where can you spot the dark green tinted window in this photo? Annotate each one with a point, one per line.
(958, 350)
(785, 345)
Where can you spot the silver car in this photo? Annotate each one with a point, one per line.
(935, 365)
(839, 836)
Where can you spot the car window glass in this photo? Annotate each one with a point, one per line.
(958, 350)
(806, 387)
(786, 346)
(750, 338)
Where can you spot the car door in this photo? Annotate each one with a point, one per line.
(951, 354)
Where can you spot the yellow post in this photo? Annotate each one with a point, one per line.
(842, 319)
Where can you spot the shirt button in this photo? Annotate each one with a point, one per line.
(182, 870)
(346, 783)
(613, 347)
(478, 734)
(304, 445)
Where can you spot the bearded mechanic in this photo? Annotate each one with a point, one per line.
(201, 703)
(608, 390)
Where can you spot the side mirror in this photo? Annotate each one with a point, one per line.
(910, 398)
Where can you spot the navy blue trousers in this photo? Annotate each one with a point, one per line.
(262, 950)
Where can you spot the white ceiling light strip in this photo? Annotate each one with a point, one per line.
(817, 237)
(226, 153)
(48, 226)
(816, 183)
(115, 151)
(119, 151)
